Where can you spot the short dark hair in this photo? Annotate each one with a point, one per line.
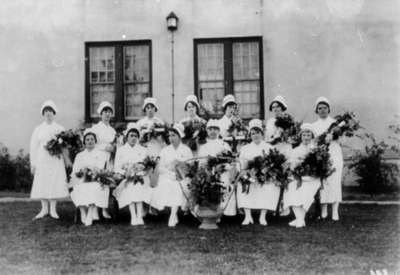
(106, 108)
(133, 130)
(229, 104)
(194, 104)
(87, 134)
(323, 103)
(48, 108)
(279, 103)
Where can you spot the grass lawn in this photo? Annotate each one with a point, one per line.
(367, 237)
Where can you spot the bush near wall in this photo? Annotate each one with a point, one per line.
(15, 171)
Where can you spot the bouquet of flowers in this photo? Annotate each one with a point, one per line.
(103, 176)
(195, 132)
(268, 167)
(290, 130)
(150, 162)
(205, 186)
(70, 140)
(219, 161)
(237, 129)
(134, 172)
(155, 130)
(317, 164)
(345, 125)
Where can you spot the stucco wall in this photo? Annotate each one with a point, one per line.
(345, 50)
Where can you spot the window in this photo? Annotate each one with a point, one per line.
(230, 66)
(119, 72)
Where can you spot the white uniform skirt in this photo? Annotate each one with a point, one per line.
(264, 196)
(229, 202)
(50, 180)
(87, 193)
(303, 195)
(167, 193)
(332, 187)
(127, 193)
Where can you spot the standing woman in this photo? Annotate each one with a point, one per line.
(278, 107)
(168, 192)
(89, 195)
(192, 109)
(213, 147)
(299, 197)
(262, 196)
(147, 123)
(105, 134)
(229, 105)
(133, 194)
(331, 193)
(50, 180)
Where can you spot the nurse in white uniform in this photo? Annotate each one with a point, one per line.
(229, 105)
(106, 135)
(50, 180)
(213, 147)
(300, 198)
(331, 192)
(89, 195)
(147, 123)
(169, 191)
(278, 107)
(260, 196)
(132, 194)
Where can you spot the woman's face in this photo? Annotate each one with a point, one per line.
(322, 110)
(174, 138)
(90, 142)
(230, 109)
(256, 135)
(106, 115)
(306, 137)
(132, 138)
(48, 114)
(191, 109)
(276, 109)
(212, 132)
(150, 110)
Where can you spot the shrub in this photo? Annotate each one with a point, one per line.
(15, 171)
(375, 174)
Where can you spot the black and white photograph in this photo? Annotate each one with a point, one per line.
(200, 137)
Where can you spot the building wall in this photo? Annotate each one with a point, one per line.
(345, 50)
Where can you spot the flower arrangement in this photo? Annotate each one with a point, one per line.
(134, 172)
(265, 168)
(70, 140)
(195, 133)
(154, 131)
(345, 125)
(290, 130)
(219, 161)
(205, 186)
(103, 176)
(317, 164)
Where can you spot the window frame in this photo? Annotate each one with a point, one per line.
(119, 115)
(228, 64)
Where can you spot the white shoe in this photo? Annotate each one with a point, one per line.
(247, 221)
(88, 222)
(54, 215)
(300, 224)
(172, 221)
(83, 218)
(335, 217)
(105, 214)
(293, 223)
(140, 221)
(134, 221)
(95, 214)
(40, 215)
(263, 222)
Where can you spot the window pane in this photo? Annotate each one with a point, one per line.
(246, 78)
(102, 76)
(136, 79)
(211, 75)
(134, 97)
(99, 93)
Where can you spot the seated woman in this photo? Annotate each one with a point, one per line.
(263, 196)
(213, 147)
(300, 198)
(128, 162)
(87, 194)
(169, 192)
